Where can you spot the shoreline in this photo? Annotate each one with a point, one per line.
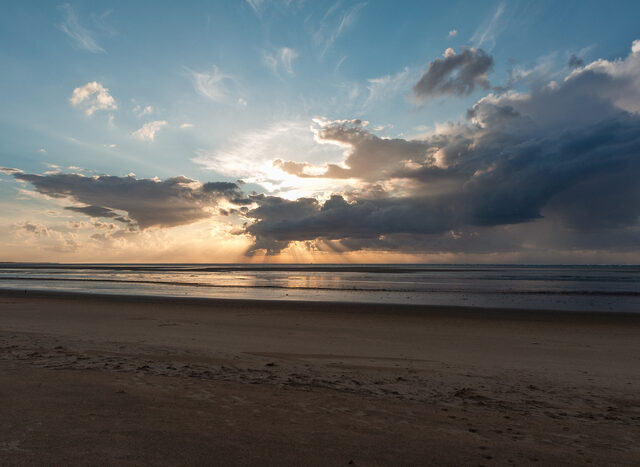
(345, 306)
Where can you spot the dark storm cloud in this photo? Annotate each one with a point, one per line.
(281, 221)
(456, 74)
(222, 187)
(566, 153)
(147, 202)
(575, 61)
(93, 211)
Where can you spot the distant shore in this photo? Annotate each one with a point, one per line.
(129, 380)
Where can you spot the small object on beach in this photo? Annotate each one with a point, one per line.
(270, 364)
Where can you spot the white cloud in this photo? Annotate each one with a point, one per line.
(93, 96)
(332, 27)
(82, 37)
(383, 127)
(215, 85)
(282, 58)
(453, 33)
(256, 5)
(186, 125)
(142, 111)
(148, 130)
(42, 150)
(486, 34)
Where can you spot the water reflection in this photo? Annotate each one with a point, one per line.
(548, 287)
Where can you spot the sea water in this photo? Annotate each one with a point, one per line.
(584, 288)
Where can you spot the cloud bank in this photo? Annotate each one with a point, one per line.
(145, 202)
(563, 156)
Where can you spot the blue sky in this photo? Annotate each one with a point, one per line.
(212, 90)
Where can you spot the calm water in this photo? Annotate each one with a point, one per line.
(588, 288)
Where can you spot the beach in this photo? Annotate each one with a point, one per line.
(97, 379)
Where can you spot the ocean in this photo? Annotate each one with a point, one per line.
(580, 288)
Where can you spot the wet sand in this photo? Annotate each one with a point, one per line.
(88, 380)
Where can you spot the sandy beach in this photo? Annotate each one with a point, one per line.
(88, 380)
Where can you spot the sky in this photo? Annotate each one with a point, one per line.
(339, 131)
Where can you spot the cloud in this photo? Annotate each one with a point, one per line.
(456, 74)
(82, 37)
(563, 158)
(149, 130)
(280, 59)
(9, 171)
(93, 211)
(334, 23)
(453, 33)
(142, 111)
(388, 85)
(256, 5)
(250, 155)
(214, 85)
(34, 228)
(146, 202)
(538, 75)
(489, 30)
(575, 61)
(186, 125)
(46, 238)
(93, 96)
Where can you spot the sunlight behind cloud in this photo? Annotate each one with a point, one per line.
(252, 156)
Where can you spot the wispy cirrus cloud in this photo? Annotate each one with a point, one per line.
(216, 85)
(82, 37)
(93, 96)
(389, 85)
(256, 5)
(280, 59)
(485, 36)
(334, 23)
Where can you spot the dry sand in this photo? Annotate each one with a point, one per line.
(88, 380)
